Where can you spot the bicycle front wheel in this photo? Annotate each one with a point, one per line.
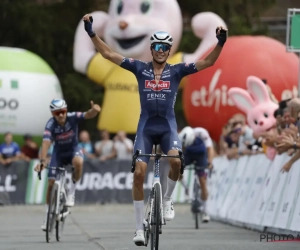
(51, 213)
(156, 217)
(61, 222)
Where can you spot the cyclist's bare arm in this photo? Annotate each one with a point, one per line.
(103, 48)
(45, 147)
(43, 154)
(210, 59)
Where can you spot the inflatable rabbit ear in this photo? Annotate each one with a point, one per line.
(258, 90)
(241, 99)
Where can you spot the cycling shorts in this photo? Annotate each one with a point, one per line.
(156, 130)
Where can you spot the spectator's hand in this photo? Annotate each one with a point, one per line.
(103, 158)
(286, 167)
(8, 161)
(293, 131)
(286, 143)
(270, 139)
(31, 144)
(290, 152)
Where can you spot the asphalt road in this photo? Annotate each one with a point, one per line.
(111, 227)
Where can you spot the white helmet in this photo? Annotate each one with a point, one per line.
(57, 104)
(187, 136)
(161, 37)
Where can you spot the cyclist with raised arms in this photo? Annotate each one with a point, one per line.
(158, 83)
(62, 130)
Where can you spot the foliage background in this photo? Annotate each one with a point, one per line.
(47, 28)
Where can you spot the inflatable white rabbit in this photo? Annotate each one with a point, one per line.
(127, 29)
(256, 103)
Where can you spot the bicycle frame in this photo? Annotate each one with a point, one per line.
(60, 183)
(156, 180)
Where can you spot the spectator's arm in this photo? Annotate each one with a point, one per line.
(98, 148)
(128, 145)
(286, 167)
(17, 155)
(113, 153)
(232, 153)
(89, 155)
(2, 160)
(24, 157)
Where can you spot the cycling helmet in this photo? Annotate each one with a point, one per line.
(187, 136)
(161, 37)
(57, 104)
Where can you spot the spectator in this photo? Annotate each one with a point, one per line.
(9, 150)
(245, 139)
(290, 137)
(86, 145)
(124, 146)
(288, 120)
(30, 149)
(104, 148)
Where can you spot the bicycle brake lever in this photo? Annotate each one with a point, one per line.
(39, 175)
(134, 157)
(182, 162)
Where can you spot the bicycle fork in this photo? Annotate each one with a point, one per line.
(61, 194)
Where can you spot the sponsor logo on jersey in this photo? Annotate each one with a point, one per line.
(47, 132)
(157, 86)
(156, 96)
(65, 136)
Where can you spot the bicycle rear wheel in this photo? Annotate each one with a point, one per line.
(155, 220)
(196, 220)
(196, 203)
(51, 213)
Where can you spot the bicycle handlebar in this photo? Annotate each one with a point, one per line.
(56, 168)
(157, 156)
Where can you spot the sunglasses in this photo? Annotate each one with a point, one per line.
(236, 130)
(58, 112)
(162, 46)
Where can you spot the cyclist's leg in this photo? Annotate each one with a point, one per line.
(204, 194)
(77, 163)
(142, 142)
(188, 161)
(51, 180)
(170, 143)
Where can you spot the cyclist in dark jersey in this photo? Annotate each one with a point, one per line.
(158, 83)
(62, 131)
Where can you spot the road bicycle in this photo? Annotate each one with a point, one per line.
(57, 210)
(154, 219)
